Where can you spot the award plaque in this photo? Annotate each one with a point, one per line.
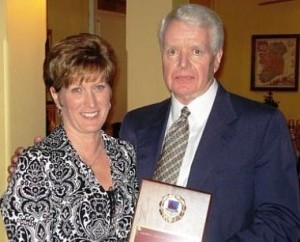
(169, 213)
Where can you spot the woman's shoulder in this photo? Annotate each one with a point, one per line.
(55, 141)
(118, 144)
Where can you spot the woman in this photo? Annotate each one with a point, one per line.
(78, 184)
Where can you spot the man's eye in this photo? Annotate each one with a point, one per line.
(197, 52)
(172, 52)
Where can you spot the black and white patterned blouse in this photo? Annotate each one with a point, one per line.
(54, 196)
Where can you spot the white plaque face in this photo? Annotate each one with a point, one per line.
(169, 213)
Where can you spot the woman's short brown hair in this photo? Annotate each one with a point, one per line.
(82, 57)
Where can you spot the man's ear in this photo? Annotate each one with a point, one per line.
(217, 60)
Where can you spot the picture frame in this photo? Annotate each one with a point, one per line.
(275, 62)
(266, 2)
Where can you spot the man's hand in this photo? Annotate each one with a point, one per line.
(13, 162)
(14, 158)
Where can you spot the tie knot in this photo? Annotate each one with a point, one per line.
(185, 112)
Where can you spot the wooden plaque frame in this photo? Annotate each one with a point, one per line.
(168, 213)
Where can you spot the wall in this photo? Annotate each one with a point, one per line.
(3, 121)
(243, 19)
(67, 17)
(22, 93)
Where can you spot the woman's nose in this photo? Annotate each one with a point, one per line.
(90, 98)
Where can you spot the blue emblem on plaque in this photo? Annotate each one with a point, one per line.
(172, 208)
(173, 205)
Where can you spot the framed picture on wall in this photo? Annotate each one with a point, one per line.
(275, 62)
(265, 2)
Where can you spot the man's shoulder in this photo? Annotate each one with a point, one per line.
(252, 111)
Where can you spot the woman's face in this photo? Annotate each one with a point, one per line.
(85, 106)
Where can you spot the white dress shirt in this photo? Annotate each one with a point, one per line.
(200, 109)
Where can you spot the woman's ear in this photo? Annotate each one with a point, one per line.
(54, 95)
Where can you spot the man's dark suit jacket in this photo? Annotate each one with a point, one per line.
(244, 159)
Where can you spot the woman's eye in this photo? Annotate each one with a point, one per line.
(76, 90)
(100, 86)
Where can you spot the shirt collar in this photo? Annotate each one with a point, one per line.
(201, 104)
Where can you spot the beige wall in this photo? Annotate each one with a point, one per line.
(243, 19)
(3, 121)
(22, 95)
(67, 17)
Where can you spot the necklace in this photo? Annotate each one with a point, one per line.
(95, 159)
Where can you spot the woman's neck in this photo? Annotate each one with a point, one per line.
(88, 146)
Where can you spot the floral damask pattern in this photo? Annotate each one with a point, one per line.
(54, 196)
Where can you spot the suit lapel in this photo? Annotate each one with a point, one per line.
(150, 139)
(216, 134)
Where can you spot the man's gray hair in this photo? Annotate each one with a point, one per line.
(198, 15)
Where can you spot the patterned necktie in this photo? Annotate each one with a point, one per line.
(169, 164)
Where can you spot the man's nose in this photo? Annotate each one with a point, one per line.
(183, 60)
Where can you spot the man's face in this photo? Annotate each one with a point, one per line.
(188, 60)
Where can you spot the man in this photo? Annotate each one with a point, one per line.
(238, 150)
